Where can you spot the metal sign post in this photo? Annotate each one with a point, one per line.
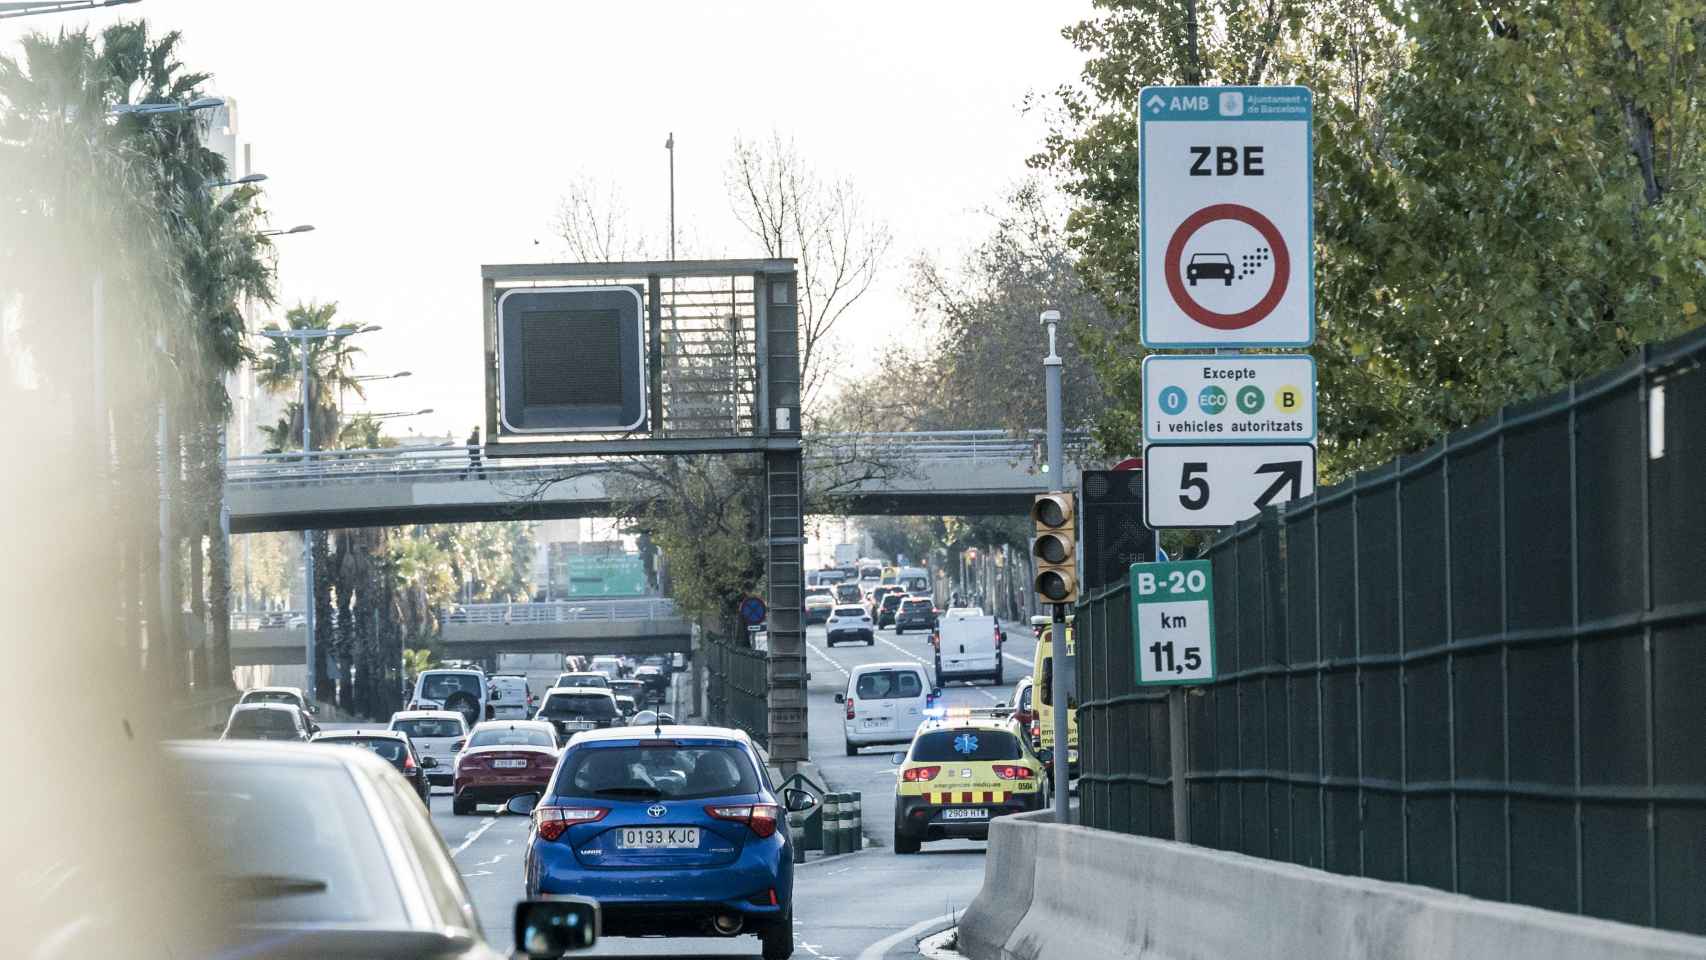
(1062, 681)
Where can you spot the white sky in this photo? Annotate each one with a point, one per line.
(425, 139)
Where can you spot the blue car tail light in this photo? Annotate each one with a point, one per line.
(760, 818)
(553, 821)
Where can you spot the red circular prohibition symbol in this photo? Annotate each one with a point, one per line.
(1175, 268)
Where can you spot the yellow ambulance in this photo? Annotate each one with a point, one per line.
(962, 770)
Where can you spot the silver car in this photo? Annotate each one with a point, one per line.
(328, 853)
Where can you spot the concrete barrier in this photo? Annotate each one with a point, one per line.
(1054, 892)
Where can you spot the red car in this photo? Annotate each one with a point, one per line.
(504, 758)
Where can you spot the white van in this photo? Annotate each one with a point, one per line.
(968, 647)
(510, 698)
(885, 703)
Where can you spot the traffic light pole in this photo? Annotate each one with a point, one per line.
(1061, 687)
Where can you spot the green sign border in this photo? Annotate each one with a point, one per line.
(1137, 635)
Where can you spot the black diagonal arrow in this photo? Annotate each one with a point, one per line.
(1290, 474)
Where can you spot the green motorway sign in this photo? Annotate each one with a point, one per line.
(1172, 621)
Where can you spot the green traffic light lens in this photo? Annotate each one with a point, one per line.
(1052, 585)
(1052, 549)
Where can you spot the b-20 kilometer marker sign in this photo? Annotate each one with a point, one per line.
(1172, 621)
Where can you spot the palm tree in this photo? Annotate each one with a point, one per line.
(82, 197)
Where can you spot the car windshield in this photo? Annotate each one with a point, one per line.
(673, 772)
(968, 744)
(428, 727)
(291, 843)
(270, 696)
(388, 747)
(512, 737)
(888, 685)
(816, 592)
(583, 680)
(847, 593)
(1210, 258)
(441, 686)
(261, 723)
(583, 706)
(629, 687)
(915, 605)
(849, 611)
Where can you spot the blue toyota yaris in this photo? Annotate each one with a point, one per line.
(675, 830)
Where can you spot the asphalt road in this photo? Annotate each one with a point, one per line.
(863, 906)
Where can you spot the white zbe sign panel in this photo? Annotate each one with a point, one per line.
(1227, 224)
(1214, 485)
(1250, 398)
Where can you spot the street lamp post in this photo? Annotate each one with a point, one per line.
(305, 337)
(1064, 664)
(240, 181)
(670, 146)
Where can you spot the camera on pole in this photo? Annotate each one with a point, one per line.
(1056, 547)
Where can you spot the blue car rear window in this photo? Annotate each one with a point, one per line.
(678, 771)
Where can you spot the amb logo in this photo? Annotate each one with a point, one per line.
(1157, 103)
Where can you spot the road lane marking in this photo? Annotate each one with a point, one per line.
(878, 950)
(473, 835)
(825, 654)
(992, 697)
(1018, 659)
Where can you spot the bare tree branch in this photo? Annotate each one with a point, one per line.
(839, 249)
(593, 224)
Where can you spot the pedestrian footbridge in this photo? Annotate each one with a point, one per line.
(963, 473)
(627, 627)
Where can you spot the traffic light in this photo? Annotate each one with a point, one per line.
(1056, 547)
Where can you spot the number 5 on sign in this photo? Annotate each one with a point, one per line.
(1172, 621)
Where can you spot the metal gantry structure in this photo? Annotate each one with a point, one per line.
(722, 376)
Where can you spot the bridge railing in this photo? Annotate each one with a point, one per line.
(551, 611)
(450, 463)
(563, 611)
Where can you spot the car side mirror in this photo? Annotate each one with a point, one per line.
(897, 758)
(841, 698)
(551, 928)
(1000, 703)
(936, 692)
(429, 763)
(313, 709)
(522, 805)
(798, 801)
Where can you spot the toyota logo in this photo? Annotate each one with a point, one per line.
(656, 810)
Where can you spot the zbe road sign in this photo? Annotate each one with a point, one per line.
(1172, 621)
(1215, 485)
(1227, 223)
(1255, 398)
